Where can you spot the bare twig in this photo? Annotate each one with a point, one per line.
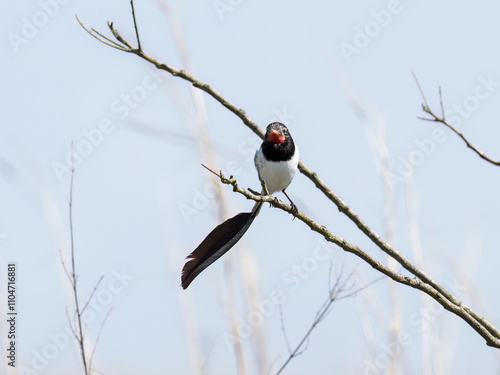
(425, 106)
(71, 325)
(444, 121)
(103, 39)
(441, 102)
(135, 25)
(127, 47)
(334, 294)
(64, 266)
(283, 330)
(78, 332)
(92, 294)
(97, 340)
(76, 324)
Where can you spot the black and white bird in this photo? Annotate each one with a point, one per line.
(276, 161)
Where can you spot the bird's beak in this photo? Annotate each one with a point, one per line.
(275, 137)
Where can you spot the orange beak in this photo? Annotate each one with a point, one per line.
(275, 137)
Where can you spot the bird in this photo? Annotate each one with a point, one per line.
(276, 162)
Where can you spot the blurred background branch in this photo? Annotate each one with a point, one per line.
(341, 289)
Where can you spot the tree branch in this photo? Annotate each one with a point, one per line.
(442, 120)
(479, 324)
(421, 281)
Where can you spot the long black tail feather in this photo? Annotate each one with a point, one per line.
(217, 243)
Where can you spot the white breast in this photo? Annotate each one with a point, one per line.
(277, 175)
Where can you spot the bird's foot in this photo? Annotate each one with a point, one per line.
(295, 211)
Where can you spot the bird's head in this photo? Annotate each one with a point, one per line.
(276, 132)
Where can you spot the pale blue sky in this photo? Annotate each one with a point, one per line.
(140, 176)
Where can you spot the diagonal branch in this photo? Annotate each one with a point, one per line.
(422, 281)
(442, 119)
(127, 47)
(479, 324)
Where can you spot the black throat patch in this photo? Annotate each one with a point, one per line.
(279, 151)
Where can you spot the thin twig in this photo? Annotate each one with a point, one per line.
(333, 295)
(77, 327)
(97, 339)
(105, 37)
(64, 266)
(92, 294)
(442, 120)
(330, 269)
(135, 25)
(80, 334)
(283, 330)
(425, 105)
(441, 103)
(71, 325)
(118, 37)
(101, 38)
